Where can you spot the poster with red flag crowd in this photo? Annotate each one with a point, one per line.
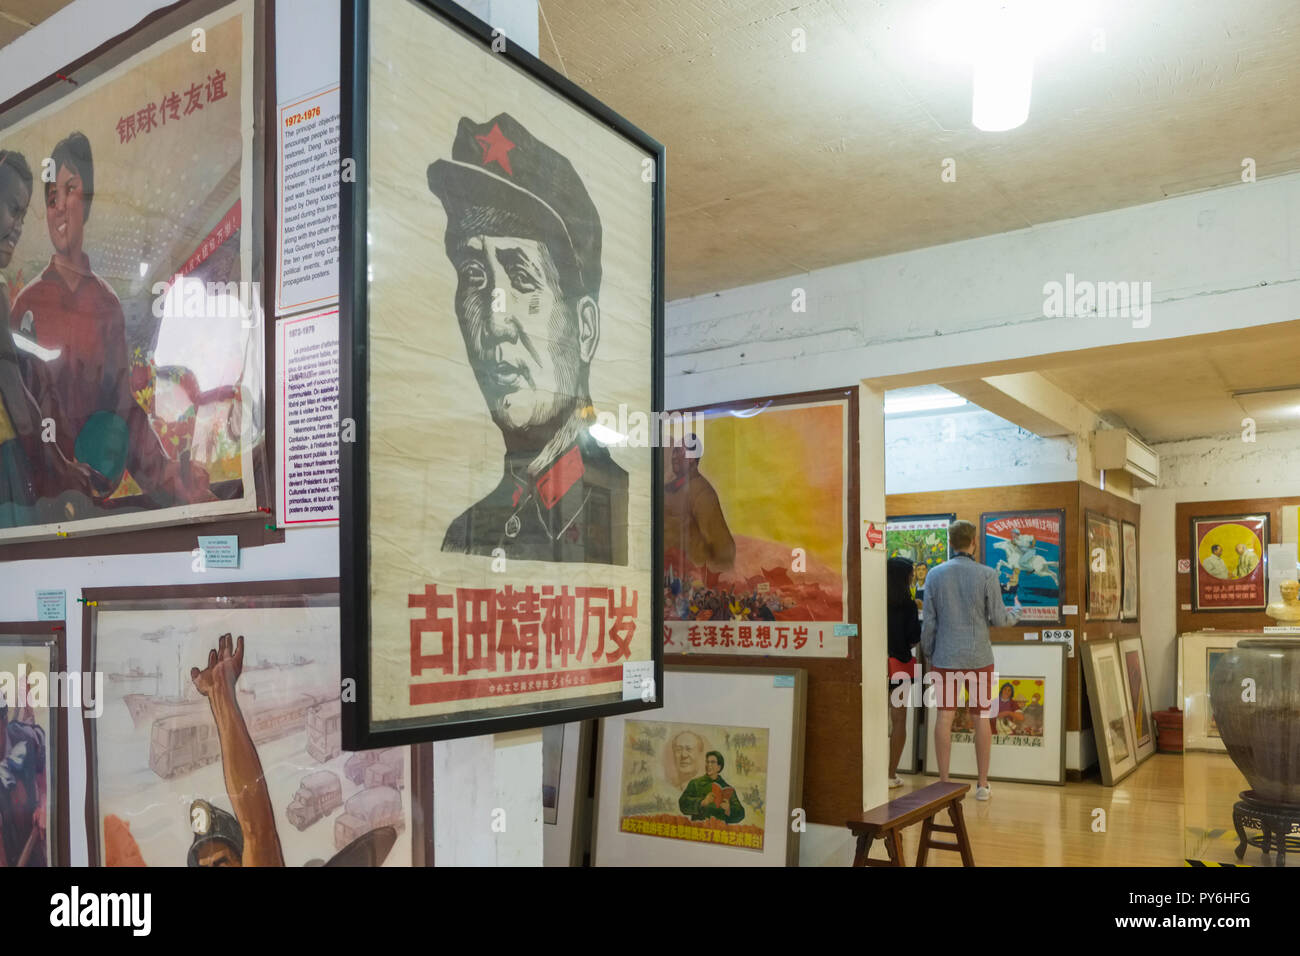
(756, 535)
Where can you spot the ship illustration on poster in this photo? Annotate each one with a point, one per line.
(1025, 549)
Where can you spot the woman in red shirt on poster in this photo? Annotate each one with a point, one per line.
(88, 387)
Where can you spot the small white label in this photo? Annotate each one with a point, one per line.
(1185, 607)
(639, 680)
(1184, 565)
(1031, 635)
(1070, 610)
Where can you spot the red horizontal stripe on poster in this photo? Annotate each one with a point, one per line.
(488, 687)
(222, 231)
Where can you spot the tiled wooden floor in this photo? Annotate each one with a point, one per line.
(1171, 808)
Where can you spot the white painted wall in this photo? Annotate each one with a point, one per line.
(1206, 469)
(1221, 259)
(970, 448)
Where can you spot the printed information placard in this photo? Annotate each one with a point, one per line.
(307, 426)
(308, 266)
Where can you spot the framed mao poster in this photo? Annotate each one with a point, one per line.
(501, 327)
(131, 356)
(1025, 548)
(759, 498)
(1230, 553)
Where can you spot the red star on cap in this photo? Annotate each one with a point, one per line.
(496, 148)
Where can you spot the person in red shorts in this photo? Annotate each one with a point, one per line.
(904, 634)
(962, 601)
(87, 391)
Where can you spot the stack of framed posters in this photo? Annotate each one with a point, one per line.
(131, 354)
(1139, 696)
(1129, 602)
(759, 500)
(1026, 548)
(1230, 554)
(1029, 727)
(566, 771)
(1105, 573)
(218, 743)
(923, 540)
(1112, 718)
(709, 780)
(1198, 654)
(501, 342)
(35, 698)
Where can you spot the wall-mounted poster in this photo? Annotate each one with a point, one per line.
(1129, 602)
(674, 784)
(1112, 719)
(34, 744)
(501, 333)
(219, 743)
(923, 540)
(1105, 574)
(758, 503)
(711, 780)
(131, 358)
(1139, 695)
(1025, 548)
(1231, 558)
(1028, 722)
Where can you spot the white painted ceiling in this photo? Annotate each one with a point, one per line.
(782, 162)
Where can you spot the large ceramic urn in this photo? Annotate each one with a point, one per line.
(1260, 721)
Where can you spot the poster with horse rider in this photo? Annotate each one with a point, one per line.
(1025, 548)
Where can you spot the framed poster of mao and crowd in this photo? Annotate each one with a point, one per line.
(1026, 548)
(217, 741)
(760, 503)
(501, 341)
(1230, 557)
(35, 699)
(709, 780)
(1029, 724)
(131, 357)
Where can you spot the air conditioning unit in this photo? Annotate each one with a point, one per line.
(1118, 449)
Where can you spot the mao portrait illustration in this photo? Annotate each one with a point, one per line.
(524, 238)
(500, 299)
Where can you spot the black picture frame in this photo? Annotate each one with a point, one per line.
(359, 731)
(1063, 555)
(1263, 517)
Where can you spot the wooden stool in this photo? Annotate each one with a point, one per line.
(886, 820)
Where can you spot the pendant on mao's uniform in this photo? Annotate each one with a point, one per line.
(512, 526)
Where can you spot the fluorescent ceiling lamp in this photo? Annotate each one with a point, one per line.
(922, 403)
(1000, 39)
